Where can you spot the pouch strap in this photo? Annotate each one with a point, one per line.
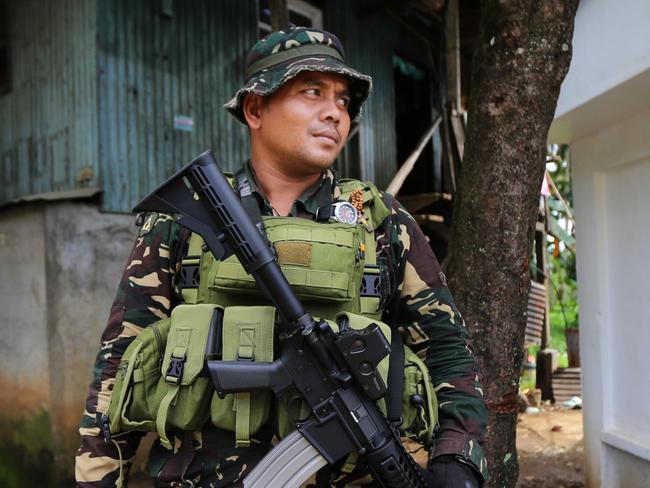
(242, 407)
(173, 380)
(163, 410)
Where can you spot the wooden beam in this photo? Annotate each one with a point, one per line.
(452, 29)
(405, 169)
(415, 203)
(279, 14)
(421, 218)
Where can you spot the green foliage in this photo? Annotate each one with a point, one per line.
(561, 259)
(560, 269)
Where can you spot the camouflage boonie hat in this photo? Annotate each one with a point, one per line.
(281, 55)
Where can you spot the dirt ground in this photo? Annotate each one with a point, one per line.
(550, 447)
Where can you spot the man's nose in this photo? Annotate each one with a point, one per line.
(331, 111)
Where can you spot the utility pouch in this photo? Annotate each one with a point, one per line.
(321, 261)
(419, 401)
(247, 336)
(184, 391)
(135, 396)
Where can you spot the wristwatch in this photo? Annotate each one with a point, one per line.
(343, 212)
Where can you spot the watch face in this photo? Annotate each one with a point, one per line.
(346, 213)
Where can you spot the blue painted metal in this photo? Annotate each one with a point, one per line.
(369, 40)
(153, 68)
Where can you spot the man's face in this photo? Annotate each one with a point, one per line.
(303, 126)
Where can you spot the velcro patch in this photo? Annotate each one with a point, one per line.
(298, 253)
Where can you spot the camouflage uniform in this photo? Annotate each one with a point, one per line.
(149, 289)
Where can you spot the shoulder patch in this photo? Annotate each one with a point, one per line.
(371, 198)
(149, 221)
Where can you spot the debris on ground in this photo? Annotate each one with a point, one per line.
(529, 398)
(550, 449)
(573, 403)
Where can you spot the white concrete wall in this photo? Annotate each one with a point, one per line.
(23, 327)
(609, 77)
(604, 114)
(612, 199)
(610, 46)
(61, 263)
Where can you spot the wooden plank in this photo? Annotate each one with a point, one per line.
(407, 166)
(414, 203)
(420, 218)
(459, 133)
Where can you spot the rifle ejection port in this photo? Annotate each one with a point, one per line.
(354, 416)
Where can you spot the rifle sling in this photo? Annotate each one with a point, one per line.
(395, 369)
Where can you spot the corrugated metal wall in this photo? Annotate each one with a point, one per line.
(97, 86)
(368, 39)
(48, 122)
(153, 68)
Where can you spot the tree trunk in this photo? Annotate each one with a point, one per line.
(522, 57)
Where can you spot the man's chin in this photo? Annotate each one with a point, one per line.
(319, 162)
(320, 165)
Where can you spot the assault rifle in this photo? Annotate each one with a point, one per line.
(336, 373)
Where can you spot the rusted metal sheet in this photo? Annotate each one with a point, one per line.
(535, 313)
(48, 121)
(163, 78)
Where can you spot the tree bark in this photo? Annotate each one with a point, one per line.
(522, 57)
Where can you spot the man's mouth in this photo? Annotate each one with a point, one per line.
(329, 134)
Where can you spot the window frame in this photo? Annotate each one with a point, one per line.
(299, 7)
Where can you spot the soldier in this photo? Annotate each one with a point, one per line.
(298, 102)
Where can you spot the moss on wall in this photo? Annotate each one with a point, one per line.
(27, 455)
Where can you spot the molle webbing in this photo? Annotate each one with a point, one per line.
(325, 235)
(190, 269)
(285, 237)
(374, 212)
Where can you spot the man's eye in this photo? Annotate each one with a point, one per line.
(344, 102)
(312, 91)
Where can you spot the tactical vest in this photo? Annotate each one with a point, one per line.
(331, 267)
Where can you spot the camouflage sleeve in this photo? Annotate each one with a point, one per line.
(147, 292)
(435, 331)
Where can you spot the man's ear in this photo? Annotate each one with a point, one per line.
(252, 108)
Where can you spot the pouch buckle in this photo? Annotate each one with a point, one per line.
(175, 370)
